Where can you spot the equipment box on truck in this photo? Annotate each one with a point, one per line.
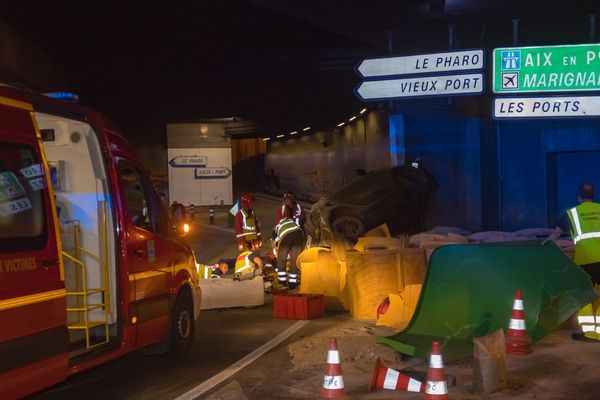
(91, 266)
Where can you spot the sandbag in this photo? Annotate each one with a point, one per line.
(371, 276)
(489, 366)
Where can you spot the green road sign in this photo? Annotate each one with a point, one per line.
(547, 69)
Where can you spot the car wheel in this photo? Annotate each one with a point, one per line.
(348, 225)
(182, 325)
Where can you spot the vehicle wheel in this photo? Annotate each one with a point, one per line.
(348, 225)
(182, 325)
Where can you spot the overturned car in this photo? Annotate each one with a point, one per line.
(396, 196)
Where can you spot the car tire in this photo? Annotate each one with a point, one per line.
(349, 226)
(182, 325)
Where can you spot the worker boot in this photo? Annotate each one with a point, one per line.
(293, 281)
(282, 279)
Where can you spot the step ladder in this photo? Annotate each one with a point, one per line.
(101, 299)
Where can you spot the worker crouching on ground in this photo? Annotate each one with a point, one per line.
(247, 225)
(291, 209)
(583, 221)
(217, 270)
(248, 265)
(288, 241)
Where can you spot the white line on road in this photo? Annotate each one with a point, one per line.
(236, 366)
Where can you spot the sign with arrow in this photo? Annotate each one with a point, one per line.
(212, 173)
(422, 63)
(437, 85)
(188, 161)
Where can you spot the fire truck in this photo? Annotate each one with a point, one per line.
(91, 266)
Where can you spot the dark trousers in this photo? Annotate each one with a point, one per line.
(291, 244)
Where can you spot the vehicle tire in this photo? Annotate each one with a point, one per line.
(182, 325)
(348, 225)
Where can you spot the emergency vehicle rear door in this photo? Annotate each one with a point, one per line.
(33, 336)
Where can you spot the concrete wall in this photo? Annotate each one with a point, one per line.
(320, 162)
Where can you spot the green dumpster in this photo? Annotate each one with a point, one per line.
(469, 292)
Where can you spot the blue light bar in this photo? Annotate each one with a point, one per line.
(65, 96)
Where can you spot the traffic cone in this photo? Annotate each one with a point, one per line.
(436, 388)
(388, 378)
(333, 381)
(517, 339)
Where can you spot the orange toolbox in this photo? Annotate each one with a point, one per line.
(298, 306)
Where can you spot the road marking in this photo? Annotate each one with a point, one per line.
(238, 365)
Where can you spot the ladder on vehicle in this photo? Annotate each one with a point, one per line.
(100, 301)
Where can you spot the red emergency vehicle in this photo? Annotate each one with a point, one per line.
(91, 267)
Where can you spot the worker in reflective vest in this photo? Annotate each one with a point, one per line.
(583, 222)
(248, 265)
(247, 226)
(289, 241)
(291, 209)
(213, 271)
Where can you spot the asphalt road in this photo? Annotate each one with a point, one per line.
(222, 336)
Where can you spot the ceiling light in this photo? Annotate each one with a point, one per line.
(363, 110)
(293, 133)
(341, 124)
(352, 118)
(266, 138)
(306, 129)
(280, 136)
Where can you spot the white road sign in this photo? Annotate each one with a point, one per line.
(546, 107)
(212, 173)
(188, 161)
(422, 63)
(443, 85)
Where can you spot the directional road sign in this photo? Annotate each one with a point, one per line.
(547, 69)
(422, 63)
(443, 85)
(546, 107)
(212, 173)
(188, 161)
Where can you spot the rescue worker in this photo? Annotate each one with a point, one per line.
(291, 209)
(288, 242)
(248, 265)
(247, 225)
(192, 211)
(214, 271)
(583, 221)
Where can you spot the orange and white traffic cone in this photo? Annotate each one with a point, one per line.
(388, 378)
(333, 381)
(517, 339)
(436, 387)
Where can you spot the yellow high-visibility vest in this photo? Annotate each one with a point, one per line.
(585, 230)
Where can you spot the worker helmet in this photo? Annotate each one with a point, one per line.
(289, 195)
(246, 199)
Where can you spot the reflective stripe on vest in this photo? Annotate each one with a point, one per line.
(284, 227)
(248, 225)
(243, 263)
(585, 222)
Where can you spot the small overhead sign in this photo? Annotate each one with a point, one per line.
(547, 69)
(444, 85)
(188, 161)
(212, 173)
(422, 63)
(546, 107)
